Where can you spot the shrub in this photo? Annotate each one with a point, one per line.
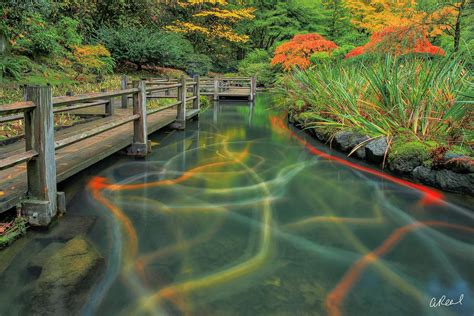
(94, 59)
(341, 52)
(143, 46)
(40, 38)
(397, 41)
(198, 64)
(257, 63)
(297, 52)
(13, 66)
(67, 32)
(320, 57)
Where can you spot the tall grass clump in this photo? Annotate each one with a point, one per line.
(421, 98)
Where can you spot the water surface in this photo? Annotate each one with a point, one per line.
(241, 215)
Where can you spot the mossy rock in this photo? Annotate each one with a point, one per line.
(406, 156)
(66, 278)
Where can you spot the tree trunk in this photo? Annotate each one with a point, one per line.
(457, 28)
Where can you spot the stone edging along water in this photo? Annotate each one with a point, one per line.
(455, 173)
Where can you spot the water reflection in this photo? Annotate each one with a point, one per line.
(240, 215)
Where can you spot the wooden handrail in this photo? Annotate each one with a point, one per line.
(163, 108)
(57, 101)
(9, 118)
(17, 159)
(80, 106)
(163, 88)
(17, 107)
(17, 117)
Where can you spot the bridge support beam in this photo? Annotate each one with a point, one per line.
(253, 88)
(216, 89)
(197, 93)
(40, 206)
(124, 85)
(140, 146)
(181, 111)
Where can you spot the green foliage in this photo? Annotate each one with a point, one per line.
(341, 52)
(335, 56)
(143, 46)
(40, 38)
(67, 29)
(198, 64)
(205, 102)
(428, 98)
(93, 59)
(257, 63)
(277, 21)
(320, 57)
(403, 149)
(13, 66)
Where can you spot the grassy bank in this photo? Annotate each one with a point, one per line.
(423, 102)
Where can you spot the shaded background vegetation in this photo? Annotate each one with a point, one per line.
(68, 39)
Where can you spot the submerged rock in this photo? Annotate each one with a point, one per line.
(375, 149)
(65, 279)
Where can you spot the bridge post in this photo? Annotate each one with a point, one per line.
(124, 85)
(181, 112)
(253, 88)
(40, 206)
(216, 88)
(197, 93)
(139, 146)
(109, 108)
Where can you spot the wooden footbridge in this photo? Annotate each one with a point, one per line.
(31, 168)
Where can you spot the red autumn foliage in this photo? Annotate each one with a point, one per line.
(299, 49)
(398, 41)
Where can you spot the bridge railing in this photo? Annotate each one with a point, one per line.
(42, 201)
(211, 86)
(229, 86)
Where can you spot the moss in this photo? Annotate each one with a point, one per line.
(70, 264)
(401, 149)
(65, 273)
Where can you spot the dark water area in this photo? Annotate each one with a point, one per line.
(242, 215)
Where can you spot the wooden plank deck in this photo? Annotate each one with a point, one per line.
(76, 157)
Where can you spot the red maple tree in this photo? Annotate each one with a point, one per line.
(398, 41)
(297, 52)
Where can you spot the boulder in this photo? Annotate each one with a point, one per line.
(356, 140)
(342, 140)
(453, 181)
(66, 278)
(425, 175)
(404, 164)
(375, 149)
